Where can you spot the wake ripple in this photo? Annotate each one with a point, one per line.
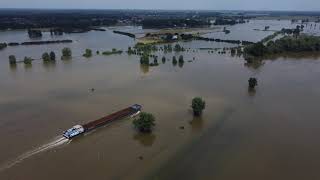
(58, 141)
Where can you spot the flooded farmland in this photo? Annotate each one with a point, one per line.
(269, 133)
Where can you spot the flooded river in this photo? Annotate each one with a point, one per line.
(269, 133)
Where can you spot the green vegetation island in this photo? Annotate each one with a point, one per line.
(286, 44)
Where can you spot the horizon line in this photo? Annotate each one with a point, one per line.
(149, 9)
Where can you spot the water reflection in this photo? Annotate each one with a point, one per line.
(196, 124)
(67, 62)
(13, 67)
(145, 139)
(174, 63)
(27, 66)
(49, 65)
(181, 64)
(164, 60)
(144, 68)
(300, 55)
(233, 54)
(257, 63)
(66, 59)
(251, 91)
(254, 64)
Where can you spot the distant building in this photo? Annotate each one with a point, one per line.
(175, 37)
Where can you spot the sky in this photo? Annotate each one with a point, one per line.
(295, 5)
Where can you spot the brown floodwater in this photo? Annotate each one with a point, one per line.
(269, 133)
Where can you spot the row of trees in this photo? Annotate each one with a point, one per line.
(66, 54)
(284, 31)
(144, 60)
(295, 31)
(173, 22)
(4, 45)
(13, 60)
(178, 48)
(113, 51)
(26, 60)
(56, 20)
(141, 48)
(46, 57)
(169, 48)
(125, 33)
(224, 40)
(34, 33)
(302, 43)
(180, 60)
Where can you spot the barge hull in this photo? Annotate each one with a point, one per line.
(112, 117)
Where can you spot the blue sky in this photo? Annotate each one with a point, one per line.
(299, 5)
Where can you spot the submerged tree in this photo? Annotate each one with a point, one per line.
(296, 32)
(163, 59)
(155, 60)
(12, 59)
(145, 122)
(66, 53)
(181, 60)
(144, 59)
(52, 56)
(167, 48)
(233, 51)
(130, 51)
(27, 60)
(198, 105)
(88, 53)
(3, 45)
(253, 82)
(178, 48)
(174, 60)
(46, 57)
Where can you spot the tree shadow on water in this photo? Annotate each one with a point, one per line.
(197, 123)
(145, 139)
(181, 64)
(251, 92)
(13, 67)
(257, 64)
(49, 65)
(144, 68)
(27, 67)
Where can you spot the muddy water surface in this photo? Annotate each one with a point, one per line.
(270, 133)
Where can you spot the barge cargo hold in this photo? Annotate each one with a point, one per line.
(80, 129)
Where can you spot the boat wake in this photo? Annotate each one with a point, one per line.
(58, 141)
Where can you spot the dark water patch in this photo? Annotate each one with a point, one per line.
(186, 163)
(69, 95)
(145, 139)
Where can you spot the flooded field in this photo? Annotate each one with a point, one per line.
(270, 133)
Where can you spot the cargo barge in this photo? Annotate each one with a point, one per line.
(81, 129)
